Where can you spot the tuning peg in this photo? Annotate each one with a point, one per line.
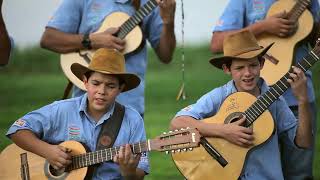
(190, 149)
(178, 150)
(184, 149)
(188, 128)
(167, 152)
(164, 133)
(172, 151)
(182, 129)
(176, 130)
(170, 131)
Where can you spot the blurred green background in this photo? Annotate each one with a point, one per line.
(34, 78)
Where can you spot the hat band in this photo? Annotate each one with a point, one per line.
(245, 50)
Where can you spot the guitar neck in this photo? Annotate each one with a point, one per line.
(92, 158)
(298, 9)
(276, 90)
(137, 18)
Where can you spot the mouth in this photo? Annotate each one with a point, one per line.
(248, 80)
(100, 101)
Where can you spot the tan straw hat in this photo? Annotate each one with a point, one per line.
(108, 61)
(240, 45)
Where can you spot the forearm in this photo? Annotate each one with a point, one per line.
(28, 141)
(167, 43)
(218, 36)
(5, 45)
(205, 129)
(304, 130)
(61, 42)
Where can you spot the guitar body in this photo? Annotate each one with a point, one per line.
(198, 164)
(38, 166)
(133, 40)
(283, 48)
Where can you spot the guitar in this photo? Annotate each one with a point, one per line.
(129, 31)
(198, 164)
(280, 56)
(39, 168)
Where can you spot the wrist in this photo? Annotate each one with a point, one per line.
(86, 42)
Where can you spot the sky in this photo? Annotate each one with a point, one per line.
(26, 19)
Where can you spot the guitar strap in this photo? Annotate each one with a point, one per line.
(110, 128)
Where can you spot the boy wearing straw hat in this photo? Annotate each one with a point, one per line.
(81, 119)
(243, 61)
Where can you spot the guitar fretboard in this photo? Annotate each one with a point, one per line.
(134, 20)
(298, 9)
(91, 158)
(276, 90)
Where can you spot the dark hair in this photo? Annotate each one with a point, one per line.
(89, 73)
(229, 61)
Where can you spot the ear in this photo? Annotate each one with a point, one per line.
(85, 81)
(262, 60)
(225, 69)
(122, 87)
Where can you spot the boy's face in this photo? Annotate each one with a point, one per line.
(102, 91)
(245, 74)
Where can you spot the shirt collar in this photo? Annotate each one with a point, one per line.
(261, 84)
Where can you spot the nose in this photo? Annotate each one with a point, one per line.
(247, 71)
(101, 89)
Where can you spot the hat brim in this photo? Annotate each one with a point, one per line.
(131, 80)
(219, 61)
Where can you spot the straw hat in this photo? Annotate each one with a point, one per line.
(111, 62)
(240, 45)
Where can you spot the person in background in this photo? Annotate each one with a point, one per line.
(5, 45)
(73, 25)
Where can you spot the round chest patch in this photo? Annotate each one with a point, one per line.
(105, 140)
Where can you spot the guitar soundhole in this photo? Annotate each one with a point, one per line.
(234, 117)
(56, 172)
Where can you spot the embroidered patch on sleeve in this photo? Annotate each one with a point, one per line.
(187, 108)
(20, 123)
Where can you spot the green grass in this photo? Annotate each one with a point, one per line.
(34, 78)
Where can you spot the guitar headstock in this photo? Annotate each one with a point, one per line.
(176, 141)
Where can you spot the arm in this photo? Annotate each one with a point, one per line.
(5, 45)
(62, 42)
(167, 41)
(277, 25)
(232, 132)
(56, 155)
(299, 88)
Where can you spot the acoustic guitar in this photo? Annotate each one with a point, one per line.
(199, 164)
(82, 161)
(280, 56)
(128, 30)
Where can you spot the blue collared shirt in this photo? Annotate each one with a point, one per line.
(241, 13)
(86, 16)
(264, 161)
(69, 120)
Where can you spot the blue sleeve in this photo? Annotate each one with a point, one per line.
(153, 27)
(67, 17)
(286, 122)
(315, 10)
(206, 106)
(38, 121)
(233, 16)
